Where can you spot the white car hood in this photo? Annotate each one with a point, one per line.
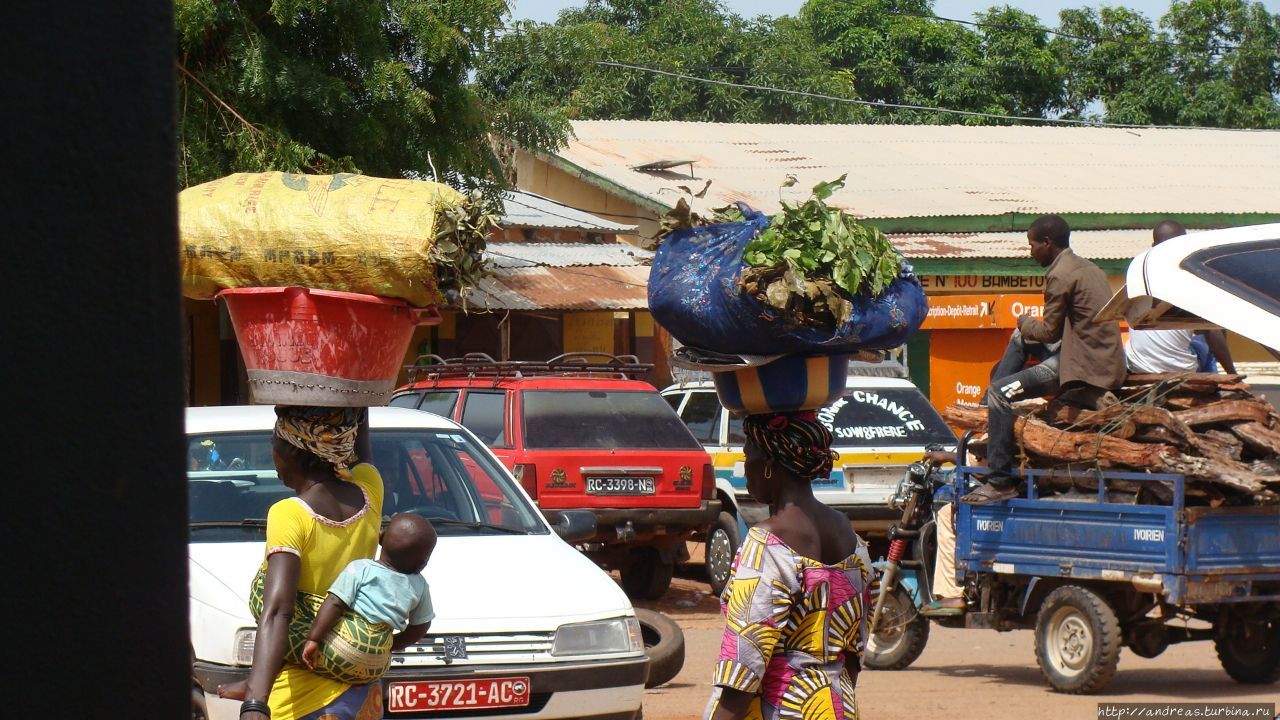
(507, 583)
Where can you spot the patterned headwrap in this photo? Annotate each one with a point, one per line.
(328, 433)
(796, 441)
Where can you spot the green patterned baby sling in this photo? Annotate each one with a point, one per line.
(355, 652)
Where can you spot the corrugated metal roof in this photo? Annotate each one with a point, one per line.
(563, 288)
(1094, 244)
(934, 170)
(524, 209)
(516, 254)
(569, 276)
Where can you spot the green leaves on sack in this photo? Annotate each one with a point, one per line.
(812, 259)
(461, 236)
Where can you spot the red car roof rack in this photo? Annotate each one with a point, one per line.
(434, 367)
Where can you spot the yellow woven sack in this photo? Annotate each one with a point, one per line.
(335, 232)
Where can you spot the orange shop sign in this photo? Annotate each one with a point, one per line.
(981, 312)
(982, 283)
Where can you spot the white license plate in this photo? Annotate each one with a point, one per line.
(444, 695)
(620, 486)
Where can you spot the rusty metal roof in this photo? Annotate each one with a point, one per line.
(937, 170)
(1093, 244)
(520, 254)
(595, 287)
(525, 209)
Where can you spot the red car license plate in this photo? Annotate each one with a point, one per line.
(430, 695)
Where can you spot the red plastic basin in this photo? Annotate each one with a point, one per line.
(322, 347)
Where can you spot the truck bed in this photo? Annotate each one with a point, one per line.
(1191, 555)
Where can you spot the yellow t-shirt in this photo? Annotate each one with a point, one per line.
(325, 547)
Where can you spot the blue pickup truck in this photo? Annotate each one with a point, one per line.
(1089, 576)
(1097, 575)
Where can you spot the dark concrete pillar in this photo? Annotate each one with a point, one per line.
(94, 497)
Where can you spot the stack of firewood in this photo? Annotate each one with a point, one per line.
(1206, 427)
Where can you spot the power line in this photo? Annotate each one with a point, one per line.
(895, 106)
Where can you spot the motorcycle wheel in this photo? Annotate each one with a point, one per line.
(902, 635)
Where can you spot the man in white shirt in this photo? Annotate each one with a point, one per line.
(1161, 351)
(1166, 351)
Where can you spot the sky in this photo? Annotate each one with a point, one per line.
(1047, 10)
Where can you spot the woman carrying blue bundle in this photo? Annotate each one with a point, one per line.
(802, 591)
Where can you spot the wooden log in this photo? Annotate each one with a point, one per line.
(1217, 471)
(1186, 402)
(1157, 434)
(1037, 438)
(1041, 439)
(1220, 443)
(966, 417)
(1067, 417)
(1187, 380)
(1225, 411)
(1258, 437)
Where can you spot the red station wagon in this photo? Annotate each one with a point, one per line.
(580, 433)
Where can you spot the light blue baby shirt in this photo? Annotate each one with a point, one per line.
(379, 594)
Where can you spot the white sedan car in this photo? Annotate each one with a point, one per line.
(526, 627)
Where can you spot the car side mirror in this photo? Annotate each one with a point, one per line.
(575, 525)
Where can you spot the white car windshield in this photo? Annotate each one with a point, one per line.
(439, 474)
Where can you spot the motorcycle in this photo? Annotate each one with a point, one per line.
(900, 622)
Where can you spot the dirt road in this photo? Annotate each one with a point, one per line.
(962, 675)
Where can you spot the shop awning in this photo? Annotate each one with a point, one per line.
(564, 276)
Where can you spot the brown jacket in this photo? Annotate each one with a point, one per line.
(1075, 290)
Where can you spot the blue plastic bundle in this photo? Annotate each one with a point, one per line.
(694, 292)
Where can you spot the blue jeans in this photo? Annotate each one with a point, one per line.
(1012, 381)
(1205, 361)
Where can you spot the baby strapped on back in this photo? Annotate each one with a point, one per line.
(372, 608)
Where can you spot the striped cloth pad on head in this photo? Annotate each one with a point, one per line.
(793, 382)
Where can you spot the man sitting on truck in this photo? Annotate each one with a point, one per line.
(1089, 364)
(1165, 351)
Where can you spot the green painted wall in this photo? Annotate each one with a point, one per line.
(918, 360)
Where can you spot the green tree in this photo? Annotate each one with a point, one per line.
(1210, 62)
(1226, 59)
(897, 53)
(1215, 63)
(557, 65)
(343, 85)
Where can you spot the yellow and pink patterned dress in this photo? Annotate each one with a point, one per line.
(791, 622)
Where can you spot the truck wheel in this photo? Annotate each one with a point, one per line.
(647, 576)
(902, 634)
(1077, 640)
(722, 548)
(663, 644)
(1250, 650)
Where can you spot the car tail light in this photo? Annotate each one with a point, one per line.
(527, 475)
(708, 482)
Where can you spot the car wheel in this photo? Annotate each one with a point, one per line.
(901, 634)
(722, 548)
(647, 576)
(1077, 640)
(663, 644)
